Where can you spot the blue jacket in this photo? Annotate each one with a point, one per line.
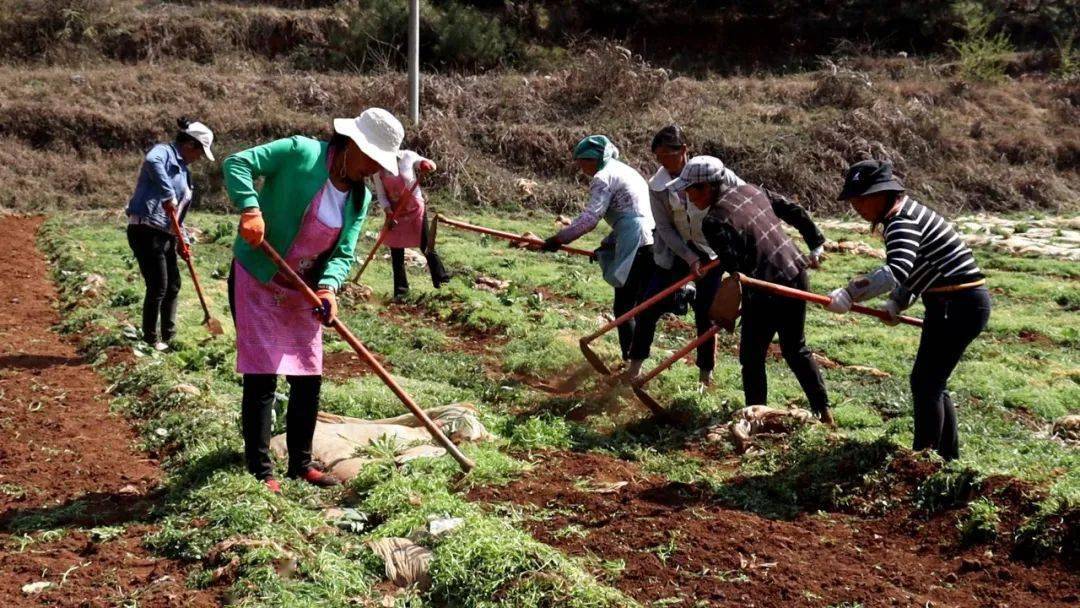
(163, 176)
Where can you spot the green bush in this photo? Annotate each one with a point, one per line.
(982, 55)
(452, 35)
(467, 38)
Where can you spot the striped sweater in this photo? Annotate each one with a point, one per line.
(923, 250)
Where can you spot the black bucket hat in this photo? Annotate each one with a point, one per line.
(869, 177)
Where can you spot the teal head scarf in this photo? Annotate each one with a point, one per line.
(596, 147)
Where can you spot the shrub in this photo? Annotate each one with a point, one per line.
(452, 35)
(469, 39)
(982, 55)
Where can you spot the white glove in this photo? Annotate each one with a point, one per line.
(839, 301)
(816, 255)
(891, 308)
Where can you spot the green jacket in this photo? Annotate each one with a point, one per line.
(293, 171)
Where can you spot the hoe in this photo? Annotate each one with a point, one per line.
(365, 354)
(594, 359)
(387, 227)
(509, 236)
(723, 312)
(212, 324)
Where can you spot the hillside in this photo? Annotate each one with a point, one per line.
(87, 87)
(122, 474)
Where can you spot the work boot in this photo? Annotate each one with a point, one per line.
(317, 478)
(272, 485)
(161, 347)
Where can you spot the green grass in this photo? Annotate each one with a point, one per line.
(490, 349)
(211, 500)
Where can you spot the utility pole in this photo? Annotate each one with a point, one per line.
(414, 61)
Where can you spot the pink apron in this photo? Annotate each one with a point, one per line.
(276, 330)
(409, 212)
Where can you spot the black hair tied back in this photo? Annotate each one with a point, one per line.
(183, 123)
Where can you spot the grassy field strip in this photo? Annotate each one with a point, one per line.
(1027, 363)
(211, 500)
(1018, 385)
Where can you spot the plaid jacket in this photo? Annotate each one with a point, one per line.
(747, 236)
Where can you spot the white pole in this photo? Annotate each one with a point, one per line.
(414, 61)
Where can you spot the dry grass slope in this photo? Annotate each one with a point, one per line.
(86, 89)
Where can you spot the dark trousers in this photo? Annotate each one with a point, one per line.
(952, 322)
(155, 251)
(630, 295)
(255, 419)
(765, 316)
(434, 262)
(645, 331)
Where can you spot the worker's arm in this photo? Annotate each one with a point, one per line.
(599, 199)
(241, 169)
(796, 216)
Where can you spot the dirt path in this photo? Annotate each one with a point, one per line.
(67, 463)
(674, 541)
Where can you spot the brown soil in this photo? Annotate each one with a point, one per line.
(66, 462)
(677, 542)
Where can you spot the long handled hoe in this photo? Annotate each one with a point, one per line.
(365, 354)
(509, 236)
(387, 226)
(594, 359)
(724, 311)
(212, 324)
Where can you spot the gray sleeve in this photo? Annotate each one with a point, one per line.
(872, 285)
(665, 227)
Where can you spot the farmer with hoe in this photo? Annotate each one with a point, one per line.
(681, 247)
(403, 201)
(164, 187)
(924, 257)
(620, 196)
(746, 235)
(311, 207)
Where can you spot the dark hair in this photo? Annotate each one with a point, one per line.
(338, 143)
(181, 136)
(670, 136)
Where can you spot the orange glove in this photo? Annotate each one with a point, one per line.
(328, 311)
(183, 250)
(252, 227)
(425, 166)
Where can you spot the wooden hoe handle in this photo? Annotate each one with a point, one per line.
(175, 220)
(798, 294)
(372, 362)
(510, 236)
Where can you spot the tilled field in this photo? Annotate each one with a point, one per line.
(581, 500)
(675, 542)
(77, 494)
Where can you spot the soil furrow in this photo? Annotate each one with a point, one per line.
(670, 540)
(77, 495)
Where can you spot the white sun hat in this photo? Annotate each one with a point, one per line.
(203, 135)
(377, 133)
